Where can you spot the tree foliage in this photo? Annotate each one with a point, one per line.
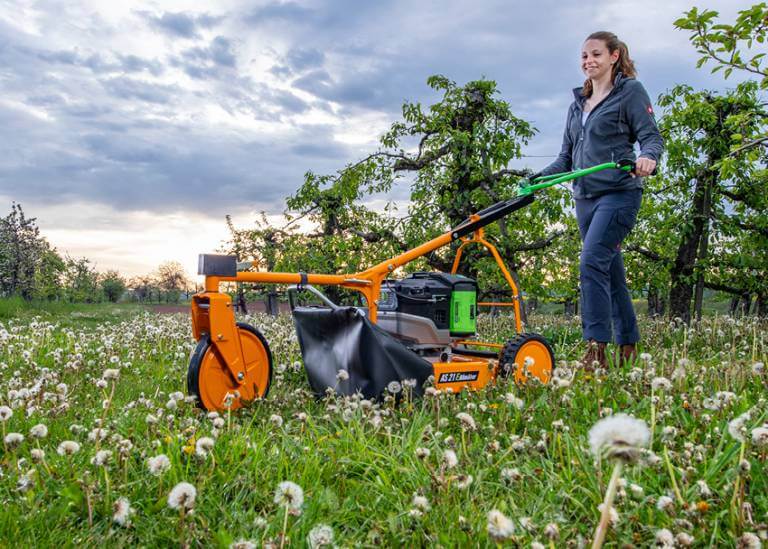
(708, 204)
(112, 285)
(738, 46)
(453, 156)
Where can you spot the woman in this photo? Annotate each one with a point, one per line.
(610, 113)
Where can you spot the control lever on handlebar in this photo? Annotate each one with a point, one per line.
(628, 165)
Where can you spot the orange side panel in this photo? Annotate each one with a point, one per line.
(224, 334)
(458, 375)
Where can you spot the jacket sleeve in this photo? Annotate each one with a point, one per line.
(564, 160)
(642, 122)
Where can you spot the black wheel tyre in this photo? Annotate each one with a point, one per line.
(522, 346)
(196, 361)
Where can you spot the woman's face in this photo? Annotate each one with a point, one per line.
(596, 60)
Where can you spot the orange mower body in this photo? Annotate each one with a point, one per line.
(232, 363)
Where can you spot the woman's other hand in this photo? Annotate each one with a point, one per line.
(644, 166)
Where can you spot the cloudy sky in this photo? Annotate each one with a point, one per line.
(129, 129)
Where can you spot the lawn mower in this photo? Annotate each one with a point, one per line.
(409, 329)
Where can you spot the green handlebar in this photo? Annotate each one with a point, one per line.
(555, 179)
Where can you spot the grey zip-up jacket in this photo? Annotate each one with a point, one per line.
(608, 135)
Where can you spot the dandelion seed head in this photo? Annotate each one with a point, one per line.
(510, 475)
(159, 464)
(510, 398)
(203, 446)
(68, 448)
(760, 436)
(122, 512)
(500, 527)
(423, 453)
(13, 439)
(661, 384)
(620, 437)
(737, 426)
(613, 514)
(111, 374)
(748, 540)
(394, 387)
(464, 481)
(449, 459)
(290, 495)
(420, 502)
(342, 375)
(552, 531)
(665, 503)
(38, 431)
(665, 539)
(182, 496)
(101, 458)
(242, 544)
(5, 413)
(467, 421)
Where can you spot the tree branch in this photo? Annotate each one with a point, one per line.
(724, 288)
(653, 256)
(541, 243)
(749, 145)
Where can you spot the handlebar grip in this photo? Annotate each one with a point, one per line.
(628, 162)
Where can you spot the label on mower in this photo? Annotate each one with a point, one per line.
(454, 377)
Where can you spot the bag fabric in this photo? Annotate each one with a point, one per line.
(345, 339)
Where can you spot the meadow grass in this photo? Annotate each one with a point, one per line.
(116, 383)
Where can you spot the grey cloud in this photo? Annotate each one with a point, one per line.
(130, 88)
(319, 150)
(207, 62)
(280, 11)
(133, 63)
(156, 166)
(97, 63)
(100, 144)
(181, 24)
(303, 58)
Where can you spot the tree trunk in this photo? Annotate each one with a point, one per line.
(734, 305)
(698, 300)
(273, 308)
(746, 304)
(653, 300)
(240, 306)
(681, 290)
(761, 305)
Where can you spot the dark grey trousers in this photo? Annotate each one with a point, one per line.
(604, 222)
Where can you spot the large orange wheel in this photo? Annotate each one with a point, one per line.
(527, 355)
(210, 381)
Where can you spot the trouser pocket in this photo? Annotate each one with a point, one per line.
(620, 225)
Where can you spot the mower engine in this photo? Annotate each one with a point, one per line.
(427, 310)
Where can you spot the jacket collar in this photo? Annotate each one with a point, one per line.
(618, 82)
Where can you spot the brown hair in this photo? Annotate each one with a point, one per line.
(623, 64)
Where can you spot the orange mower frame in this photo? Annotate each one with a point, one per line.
(232, 363)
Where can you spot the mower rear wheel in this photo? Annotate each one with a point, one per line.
(534, 349)
(210, 381)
